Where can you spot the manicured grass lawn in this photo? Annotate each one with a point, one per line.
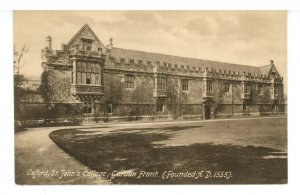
(184, 147)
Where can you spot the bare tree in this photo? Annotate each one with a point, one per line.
(19, 58)
(19, 79)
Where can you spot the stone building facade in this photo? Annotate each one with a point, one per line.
(120, 84)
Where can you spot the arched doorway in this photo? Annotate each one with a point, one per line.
(208, 109)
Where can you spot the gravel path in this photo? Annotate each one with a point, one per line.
(36, 155)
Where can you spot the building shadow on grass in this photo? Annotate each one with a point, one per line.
(124, 151)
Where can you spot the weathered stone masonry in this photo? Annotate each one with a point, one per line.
(113, 83)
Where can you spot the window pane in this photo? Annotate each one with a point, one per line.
(129, 81)
(227, 87)
(185, 85)
(78, 78)
(97, 79)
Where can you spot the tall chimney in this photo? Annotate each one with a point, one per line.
(271, 62)
(49, 42)
(110, 46)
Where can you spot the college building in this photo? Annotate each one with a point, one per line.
(110, 83)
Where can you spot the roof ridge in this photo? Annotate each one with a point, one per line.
(265, 65)
(161, 54)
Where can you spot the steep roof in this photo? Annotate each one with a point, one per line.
(268, 69)
(153, 57)
(265, 69)
(85, 32)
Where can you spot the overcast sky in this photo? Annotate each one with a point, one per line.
(242, 37)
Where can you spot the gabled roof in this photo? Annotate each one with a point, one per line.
(267, 69)
(153, 57)
(88, 28)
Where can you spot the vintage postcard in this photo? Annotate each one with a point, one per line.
(150, 97)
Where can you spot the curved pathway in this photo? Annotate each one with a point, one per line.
(38, 160)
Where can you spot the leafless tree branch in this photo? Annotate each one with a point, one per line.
(18, 57)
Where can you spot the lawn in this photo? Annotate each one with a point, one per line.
(251, 151)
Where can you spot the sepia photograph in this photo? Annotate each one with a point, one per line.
(150, 97)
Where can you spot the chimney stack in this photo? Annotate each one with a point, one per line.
(110, 46)
(271, 62)
(64, 47)
(49, 42)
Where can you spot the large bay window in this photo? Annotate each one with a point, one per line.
(87, 73)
